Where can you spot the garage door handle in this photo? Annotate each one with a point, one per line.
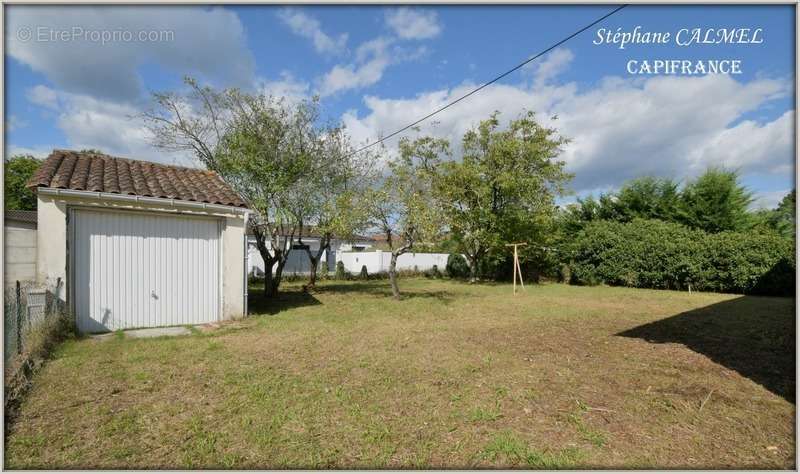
(153, 294)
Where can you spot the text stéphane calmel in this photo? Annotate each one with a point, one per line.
(681, 38)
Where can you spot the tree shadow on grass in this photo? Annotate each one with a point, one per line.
(257, 303)
(290, 297)
(383, 288)
(755, 336)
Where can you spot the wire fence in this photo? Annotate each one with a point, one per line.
(26, 306)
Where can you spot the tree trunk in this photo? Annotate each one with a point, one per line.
(312, 279)
(473, 269)
(314, 260)
(269, 287)
(393, 276)
(276, 280)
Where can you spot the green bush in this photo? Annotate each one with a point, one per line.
(739, 262)
(456, 266)
(364, 275)
(433, 272)
(340, 274)
(657, 254)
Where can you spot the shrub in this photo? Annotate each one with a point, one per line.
(564, 274)
(364, 275)
(341, 274)
(322, 271)
(253, 279)
(456, 266)
(435, 272)
(741, 262)
(39, 340)
(657, 254)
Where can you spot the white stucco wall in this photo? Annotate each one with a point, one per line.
(233, 277)
(52, 253)
(19, 252)
(379, 261)
(51, 241)
(297, 261)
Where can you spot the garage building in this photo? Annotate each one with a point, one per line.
(139, 244)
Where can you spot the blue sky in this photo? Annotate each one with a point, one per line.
(380, 67)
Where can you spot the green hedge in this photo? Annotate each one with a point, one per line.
(456, 266)
(657, 254)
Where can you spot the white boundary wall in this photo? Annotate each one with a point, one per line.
(378, 261)
(19, 247)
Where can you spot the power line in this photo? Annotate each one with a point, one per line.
(538, 55)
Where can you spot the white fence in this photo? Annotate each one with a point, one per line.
(296, 263)
(378, 261)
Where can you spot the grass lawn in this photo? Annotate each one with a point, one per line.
(455, 375)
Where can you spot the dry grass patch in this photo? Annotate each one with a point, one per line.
(455, 375)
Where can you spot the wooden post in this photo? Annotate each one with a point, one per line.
(517, 268)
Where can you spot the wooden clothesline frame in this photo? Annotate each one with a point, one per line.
(517, 268)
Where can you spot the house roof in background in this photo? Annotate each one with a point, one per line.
(82, 171)
(22, 216)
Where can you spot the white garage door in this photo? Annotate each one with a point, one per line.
(144, 270)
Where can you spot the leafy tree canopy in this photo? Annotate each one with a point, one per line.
(715, 201)
(503, 188)
(18, 170)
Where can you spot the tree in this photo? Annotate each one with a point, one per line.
(267, 155)
(780, 220)
(18, 172)
(402, 206)
(715, 202)
(504, 187)
(261, 145)
(783, 217)
(573, 217)
(328, 197)
(648, 197)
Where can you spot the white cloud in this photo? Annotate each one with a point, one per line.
(206, 42)
(43, 96)
(620, 129)
(288, 87)
(112, 127)
(372, 58)
(15, 123)
(551, 65)
(768, 199)
(415, 23)
(310, 28)
(747, 144)
(36, 152)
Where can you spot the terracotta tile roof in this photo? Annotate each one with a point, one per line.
(17, 215)
(95, 172)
